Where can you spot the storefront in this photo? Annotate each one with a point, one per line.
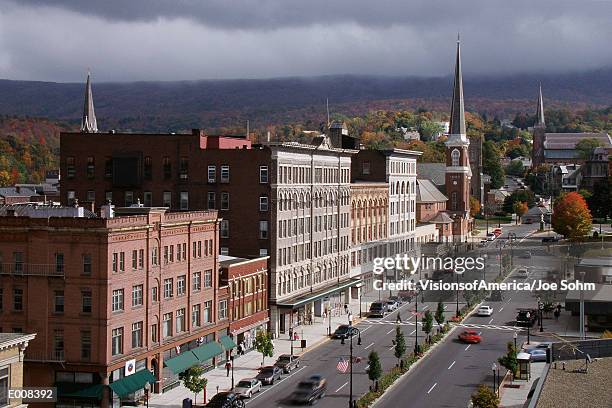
(245, 336)
(201, 351)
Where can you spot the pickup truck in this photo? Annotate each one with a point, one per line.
(287, 362)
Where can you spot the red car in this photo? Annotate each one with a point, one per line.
(470, 336)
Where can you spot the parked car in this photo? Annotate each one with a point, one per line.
(485, 310)
(397, 299)
(526, 255)
(391, 305)
(544, 345)
(497, 232)
(491, 236)
(554, 238)
(482, 243)
(247, 387)
(526, 317)
(470, 336)
(522, 273)
(225, 400)
(287, 362)
(269, 374)
(537, 354)
(309, 391)
(378, 309)
(406, 295)
(342, 332)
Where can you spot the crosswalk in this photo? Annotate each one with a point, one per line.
(464, 325)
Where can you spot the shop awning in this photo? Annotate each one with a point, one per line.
(207, 351)
(227, 342)
(316, 295)
(182, 362)
(132, 383)
(78, 390)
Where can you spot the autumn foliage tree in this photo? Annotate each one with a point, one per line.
(474, 206)
(519, 208)
(571, 216)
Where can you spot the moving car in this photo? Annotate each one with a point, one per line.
(378, 309)
(287, 362)
(537, 354)
(269, 374)
(491, 236)
(470, 336)
(485, 310)
(247, 387)
(526, 255)
(406, 295)
(225, 400)
(396, 299)
(522, 273)
(497, 232)
(550, 239)
(310, 390)
(526, 317)
(342, 332)
(391, 305)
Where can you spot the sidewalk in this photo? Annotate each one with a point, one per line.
(516, 397)
(248, 365)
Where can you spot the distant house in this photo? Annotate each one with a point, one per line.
(565, 178)
(495, 200)
(16, 195)
(445, 128)
(536, 214)
(431, 208)
(409, 133)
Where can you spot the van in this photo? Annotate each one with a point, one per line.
(378, 309)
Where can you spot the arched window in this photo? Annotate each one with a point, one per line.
(455, 157)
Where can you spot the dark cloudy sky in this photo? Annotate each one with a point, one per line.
(125, 40)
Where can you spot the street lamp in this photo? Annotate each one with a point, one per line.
(515, 335)
(147, 388)
(484, 269)
(350, 334)
(416, 322)
(541, 311)
(494, 368)
(457, 313)
(528, 315)
(232, 361)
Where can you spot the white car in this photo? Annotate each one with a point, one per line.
(522, 273)
(491, 236)
(247, 387)
(485, 311)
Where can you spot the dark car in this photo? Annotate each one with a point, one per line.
(269, 374)
(550, 239)
(287, 362)
(378, 309)
(526, 317)
(310, 390)
(225, 400)
(342, 332)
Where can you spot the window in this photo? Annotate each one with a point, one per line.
(223, 309)
(117, 341)
(136, 335)
(263, 229)
(263, 203)
(455, 157)
(263, 174)
(70, 196)
(154, 294)
(122, 261)
(59, 263)
(140, 258)
(18, 299)
(225, 201)
(58, 302)
(208, 278)
(129, 198)
(91, 167)
(154, 338)
(134, 259)
(1, 301)
(86, 264)
(168, 288)
(454, 201)
(195, 316)
(167, 325)
(108, 197)
(137, 295)
(148, 168)
(212, 174)
(167, 199)
(225, 174)
(263, 252)
(224, 251)
(108, 167)
(4, 386)
(70, 169)
(85, 345)
(180, 285)
(184, 168)
(155, 256)
(166, 257)
(207, 311)
(18, 262)
(148, 199)
(197, 281)
(224, 228)
(171, 247)
(117, 300)
(211, 199)
(91, 196)
(167, 167)
(86, 301)
(365, 168)
(58, 344)
(180, 320)
(184, 203)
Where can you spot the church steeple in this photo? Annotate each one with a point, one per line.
(457, 119)
(88, 121)
(540, 111)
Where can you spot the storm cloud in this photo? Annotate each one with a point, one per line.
(125, 40)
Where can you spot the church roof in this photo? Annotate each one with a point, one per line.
(89, 123)
(540, 111)
(428, 193)
(457, 119)
(436, 172)
(563, 141)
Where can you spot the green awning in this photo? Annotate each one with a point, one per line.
(79, 390)
(132, 383)
(207, 351)
(227, 342)
(182, 362)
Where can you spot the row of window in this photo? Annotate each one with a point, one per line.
(402, 188)
(369, 233)
(288, 201)
(300, 252)
(402, 207)
(300, 226)
(290, 281)
(400, 227)
(302, 174)
(245, 309)
(18, 265)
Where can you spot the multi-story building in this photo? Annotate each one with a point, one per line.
(131, 294)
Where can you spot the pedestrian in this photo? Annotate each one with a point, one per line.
(399, 318)
(228, 366)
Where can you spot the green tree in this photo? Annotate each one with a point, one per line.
(571, 216)
(525, 196)
(374, 367)
(193, 380)
(263, 344)
(400, 344)
(484, 397)
(440, 314)
(585, 147)
(509, 360)
(600, 199)
(515, 168)
(491, 163)
(428, 129)
(428, 322)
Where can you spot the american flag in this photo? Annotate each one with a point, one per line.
(342, 365)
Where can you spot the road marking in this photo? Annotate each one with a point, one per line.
(342, 386)
(466, 349)
(451, 366)
(432, 387)
(501, 310)
(491, 321)
(445, 307)
(363, 330)
(413, 331)
(427, 306)
(479, 333)
(392, 347)
(390, 331)
(367, 347)
(509, 299)
(259, 394)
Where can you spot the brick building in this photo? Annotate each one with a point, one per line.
(132, 294)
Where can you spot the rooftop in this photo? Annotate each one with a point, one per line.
(569, 140)
(428, 193)
(14, 339)
(436, 172)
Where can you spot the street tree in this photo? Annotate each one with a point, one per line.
(263, 344)
(509, 360)
(491, 162)
(374, 367)
(571, 216)
(428, 322)
(519, 208)
(193, 380)
(400, 344)
(474, 206)
(440, 314)
(485, 397)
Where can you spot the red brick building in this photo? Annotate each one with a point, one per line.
(135, 294)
